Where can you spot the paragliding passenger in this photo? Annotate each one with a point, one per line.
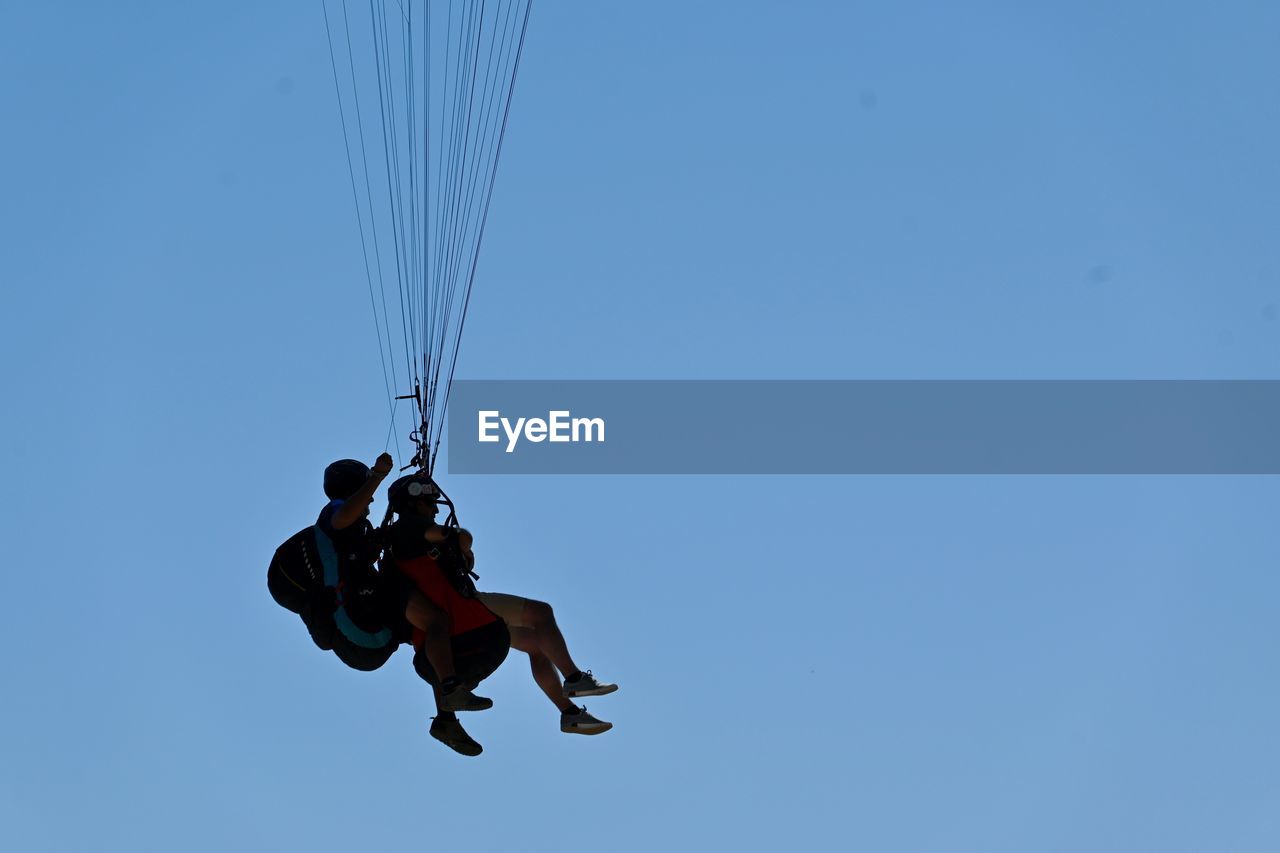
(445, 578)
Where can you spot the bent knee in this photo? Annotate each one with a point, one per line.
(539, 613)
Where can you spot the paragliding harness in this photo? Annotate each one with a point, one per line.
(337, 600)
(442, 573)
(455, 565)
(446, 553)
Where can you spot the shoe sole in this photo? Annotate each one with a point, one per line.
(570, 693)
(468, 749)
(587, 729)
(477, 707)
(483, 703)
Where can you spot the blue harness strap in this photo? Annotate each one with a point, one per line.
(349, 629)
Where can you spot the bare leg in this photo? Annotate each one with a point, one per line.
(434, 623)
(544, 673)
(541, 622)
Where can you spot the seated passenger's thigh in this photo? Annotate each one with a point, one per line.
(509, 608)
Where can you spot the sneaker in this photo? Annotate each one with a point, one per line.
(586, 685)
(455, 696)
(582, 723)
(450, 732)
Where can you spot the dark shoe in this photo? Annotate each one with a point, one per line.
(455, 696)
(586, 684)
(579, 722)
(450, 732)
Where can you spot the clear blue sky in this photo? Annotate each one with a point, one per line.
(738, 190)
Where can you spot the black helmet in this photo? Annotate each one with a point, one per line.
(343, 478)
(414, 487)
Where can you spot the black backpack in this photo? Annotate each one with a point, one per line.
(296, 571)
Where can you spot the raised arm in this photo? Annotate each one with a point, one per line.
(354, 508)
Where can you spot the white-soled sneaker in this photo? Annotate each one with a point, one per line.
(582, 723)
(586, 684)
